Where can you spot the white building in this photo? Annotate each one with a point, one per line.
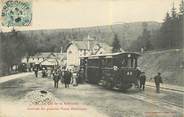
(86, 47)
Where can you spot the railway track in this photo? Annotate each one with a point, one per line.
(165, 104)
(155, 100)
(161, 102)
(168, 89)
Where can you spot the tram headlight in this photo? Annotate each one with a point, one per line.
(130, 73)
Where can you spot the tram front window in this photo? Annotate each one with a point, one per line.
(129, 62)
(126, 63)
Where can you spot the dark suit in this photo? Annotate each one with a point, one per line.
(56, 80)
(35, 69)
(67, 78)
(142, 81)
(158, 80)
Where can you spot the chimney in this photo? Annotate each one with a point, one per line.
(88, 44)
(88, 41)
(61, 50)
(88, 37)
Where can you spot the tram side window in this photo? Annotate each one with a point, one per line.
(126, 62)
(134, 62)
(117, 62)
(107, 62)
(93, 62)
(129, 62)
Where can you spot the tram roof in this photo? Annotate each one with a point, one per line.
(112, 54)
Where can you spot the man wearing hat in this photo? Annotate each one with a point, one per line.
(137, 81)
(56, 78)
(142, 80)
(158, 80)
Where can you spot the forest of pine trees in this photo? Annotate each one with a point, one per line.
(171, 32)
(169, 36)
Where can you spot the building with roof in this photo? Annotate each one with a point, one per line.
(48, 59)
(85, 47)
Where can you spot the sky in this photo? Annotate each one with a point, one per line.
(52, 14)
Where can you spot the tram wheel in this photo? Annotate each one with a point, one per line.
(108, 85)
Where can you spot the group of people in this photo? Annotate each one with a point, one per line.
(44, 71)
(141, 80)
(65, 76)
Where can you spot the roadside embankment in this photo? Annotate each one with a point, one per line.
(170, 63)
(14, 76)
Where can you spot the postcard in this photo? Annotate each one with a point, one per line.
(91, 58)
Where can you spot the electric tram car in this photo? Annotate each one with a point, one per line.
(116, 70)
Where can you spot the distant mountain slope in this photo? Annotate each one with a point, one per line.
(126, 32)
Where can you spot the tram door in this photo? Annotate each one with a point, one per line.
(100, 68)
(93, 70)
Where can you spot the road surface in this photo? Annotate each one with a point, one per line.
(85, 100)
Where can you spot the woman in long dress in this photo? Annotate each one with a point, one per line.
(74, 79)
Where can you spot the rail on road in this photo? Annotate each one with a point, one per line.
(167, 87)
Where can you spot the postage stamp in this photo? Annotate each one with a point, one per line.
(16, 13)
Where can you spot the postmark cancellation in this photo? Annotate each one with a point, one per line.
(16, 13)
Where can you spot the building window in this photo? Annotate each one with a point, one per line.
(70, 52)
(85, 53)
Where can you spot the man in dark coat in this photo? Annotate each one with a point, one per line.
(138, 73)
(56, 79)
(158, 80)
(44, 72)
(67, 78)
(142, 80)
(35, 69)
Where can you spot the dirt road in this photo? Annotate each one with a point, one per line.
(85, 101)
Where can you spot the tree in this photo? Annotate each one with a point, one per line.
(116, 44)
(173, 12)
(146, 39)
(181, 9)
(14, 46)
(167, 17)
(180, 25)
(13, 49)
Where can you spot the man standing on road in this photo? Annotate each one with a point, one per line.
(67, 78)
(138, 73)
(70, 75)
(56, 79)
(74, 79)
(158, 80)
(36, 71)
(142, 81)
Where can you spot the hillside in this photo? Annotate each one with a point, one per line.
(170, 63)
(126, 32)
